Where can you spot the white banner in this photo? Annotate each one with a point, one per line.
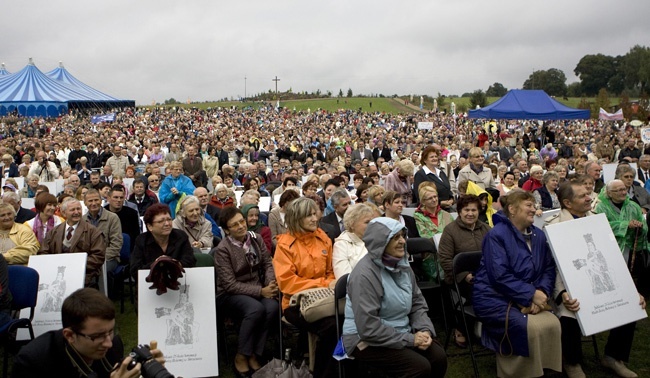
(425, 125)
(618, 116)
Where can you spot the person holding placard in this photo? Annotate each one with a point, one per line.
(511, 290)
(160, 239)
(576, 203)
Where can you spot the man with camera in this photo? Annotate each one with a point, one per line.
(44, 169)
(87, 346)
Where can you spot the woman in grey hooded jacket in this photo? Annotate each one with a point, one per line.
(386, 322)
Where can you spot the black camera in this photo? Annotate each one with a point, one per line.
(150, 368)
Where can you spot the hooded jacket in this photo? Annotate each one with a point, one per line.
(384, 306)
(476, 190)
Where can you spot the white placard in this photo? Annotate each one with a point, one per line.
(425, 125)
(238, 194)
(276, 199)
(410, 211)
(183, 322)
(265, 204)
(51, 186)
(645, 134)
(594, 271)
(20, 181)
(539, 221)
(59, 276)
(59, 184)
(127, 182)
(436, 239)
(27, 203)
(609, 171)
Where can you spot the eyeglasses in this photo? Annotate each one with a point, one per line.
(163, 221)
(154, 180)
(97, 338)
(477, 157)
(235, 224)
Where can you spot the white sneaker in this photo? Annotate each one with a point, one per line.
(618, 367)
(574, 371)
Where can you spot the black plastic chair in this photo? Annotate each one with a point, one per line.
(465, 262)
(340, 292)
(122, 273)
(23, 285)
(417, 248)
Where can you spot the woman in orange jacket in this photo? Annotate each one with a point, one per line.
(303, 260)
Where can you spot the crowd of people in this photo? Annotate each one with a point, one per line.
(181, 181)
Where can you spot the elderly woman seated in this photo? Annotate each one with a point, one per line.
(29, 191)
(386, 322)
(221, 199)
(254, 222)
(246, 287)
(17, 241)
(349, 247)
(546, 195)
(191, 220)
(511, 292)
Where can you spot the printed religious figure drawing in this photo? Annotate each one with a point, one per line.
(595, 265)
(55, 292)
(181, 327)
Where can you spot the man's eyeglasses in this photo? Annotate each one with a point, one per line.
(98, 337)
(162, 221)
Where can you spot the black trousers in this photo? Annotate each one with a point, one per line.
(619, 342)
(407, 362)
(325, 365)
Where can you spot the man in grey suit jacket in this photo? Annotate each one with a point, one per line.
(361, 152)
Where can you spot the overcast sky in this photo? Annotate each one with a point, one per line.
(202, 50)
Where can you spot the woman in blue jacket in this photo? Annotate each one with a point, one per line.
(511, 291)
(175, 186)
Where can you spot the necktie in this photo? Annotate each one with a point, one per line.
(69, 235)
(342, 225)
(139, 200)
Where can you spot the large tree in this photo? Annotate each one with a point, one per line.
(478, 98)
(635, 66)
(552, 81)
(496, 90)
(594, 72)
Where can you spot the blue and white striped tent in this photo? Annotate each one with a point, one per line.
(29, 92)
(62, 75)
(3, 70)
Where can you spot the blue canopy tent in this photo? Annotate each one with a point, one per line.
(29, 92)
(3, 70)
(528, 104)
